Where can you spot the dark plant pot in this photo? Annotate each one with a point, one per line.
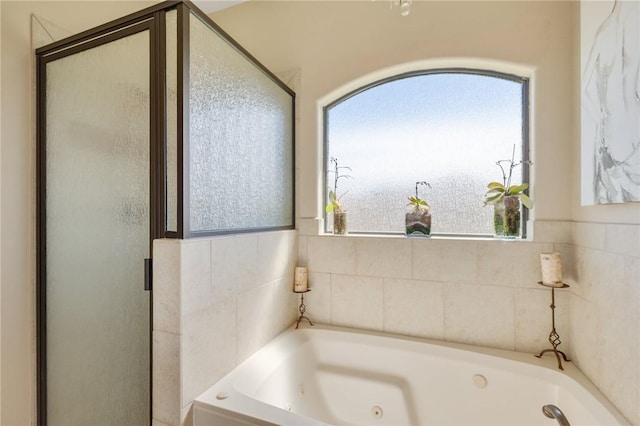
(506, 217)
(418, 222)
(340, 222)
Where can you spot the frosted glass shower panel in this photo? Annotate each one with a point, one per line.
(241, 141)
(97, 224)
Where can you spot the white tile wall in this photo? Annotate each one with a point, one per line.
(166, 377)
(233, 265)
(253, 308)
(605, 311)
(285, 304)
(319, 297)
(216, 301)
(166, 294)
(414, 307)
(356, 301)
(302, 251)
(510, 263)
(208, 349)
(531, 334)
(480, 315)
(276, 255)
(459, 290)
(195, 275)
(444, 260)
(331, 254)
(590, 235)
(553, 231)
(623, 239)
(383, 257)
(586, 332)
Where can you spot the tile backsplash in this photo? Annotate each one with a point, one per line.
(481, 292)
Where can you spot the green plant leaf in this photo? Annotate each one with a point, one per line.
(526, 201)
(417, 201)
(495, 191)
(513, 190)
(496, 185)
(332, 196)
(494, 199)
(329, 208)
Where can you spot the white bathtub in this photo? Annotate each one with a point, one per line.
(329, 375)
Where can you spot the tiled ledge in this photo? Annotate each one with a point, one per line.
(540, 231)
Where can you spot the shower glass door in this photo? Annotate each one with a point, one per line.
(97, 179)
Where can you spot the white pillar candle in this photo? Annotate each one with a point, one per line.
(551, 266)
(300, 279)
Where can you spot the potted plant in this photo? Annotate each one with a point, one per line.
(506, 199)
(418, 217)
(334, 206)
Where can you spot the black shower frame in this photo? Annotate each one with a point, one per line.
(150, 19)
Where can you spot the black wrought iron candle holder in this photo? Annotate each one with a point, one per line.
(554, 338)
(302, 308)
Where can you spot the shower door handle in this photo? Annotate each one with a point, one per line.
(148, 274)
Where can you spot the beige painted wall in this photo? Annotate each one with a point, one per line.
(18, 187)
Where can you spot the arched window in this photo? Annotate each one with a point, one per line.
(447, 127)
